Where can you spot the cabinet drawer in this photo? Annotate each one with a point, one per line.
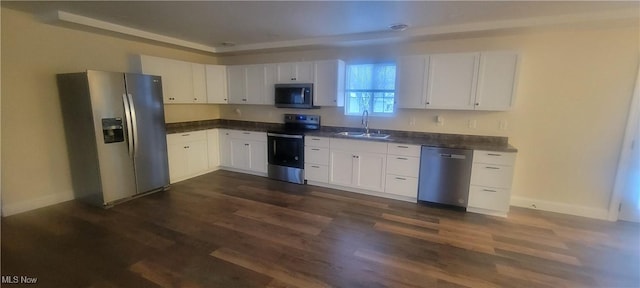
(403, 165)
(497, 158)
(404, 150)
(316, 155)
(187, 136)
(358, 145)
(316, 141)
(491, 175)
(248, 135)
(489, 198)
(401, 185)
(318, 173)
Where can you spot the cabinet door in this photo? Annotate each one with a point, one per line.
(240, 157)
(370, 171)
(236, 84)
(225, 148)
(197, 156)
(216, 84)
(496, 80)
(304, 72)
(411, 77)
(270, 76)
(341, 167)
(328, 84)
(286, 72)
(177, 78)
(256, 82)
(257, 156)
(177, 155)
(451, 81)
(213, 147)
(199, 80)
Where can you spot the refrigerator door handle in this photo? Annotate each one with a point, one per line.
(127, 117)
(134, 122)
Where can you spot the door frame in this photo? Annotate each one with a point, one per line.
(625, 152)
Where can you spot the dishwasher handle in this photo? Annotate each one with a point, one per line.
(453, 156)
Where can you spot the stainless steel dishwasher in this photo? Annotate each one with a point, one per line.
(445, 175)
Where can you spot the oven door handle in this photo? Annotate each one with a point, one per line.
(285, 135)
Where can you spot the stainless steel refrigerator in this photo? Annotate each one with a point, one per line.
(115, 133)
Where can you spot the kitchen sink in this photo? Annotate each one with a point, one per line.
(375, 135)
(363, 135)
(351, 134)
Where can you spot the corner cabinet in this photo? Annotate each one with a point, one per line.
(491, 177)
(457, 81)
(216, 80)
(182, 82)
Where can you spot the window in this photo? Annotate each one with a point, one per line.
(370, 87)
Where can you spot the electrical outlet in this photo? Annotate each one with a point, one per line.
(439, 120)
(502, 125)
(412, 121)
(473, 124)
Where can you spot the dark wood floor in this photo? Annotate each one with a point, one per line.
(226, 229)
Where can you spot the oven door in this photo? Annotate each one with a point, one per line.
(286, 150)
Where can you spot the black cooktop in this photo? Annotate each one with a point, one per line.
(298, 124)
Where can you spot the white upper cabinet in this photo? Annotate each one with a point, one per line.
(199, 80)
(216, 76)
(236, 84)
(496, 80)
(271, 78)
(177, 79)
(411, 72)
(452, 80)
(255, 81)
(457, 81)
(295, 72)
(328, 84)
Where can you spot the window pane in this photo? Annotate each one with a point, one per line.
(370, 87)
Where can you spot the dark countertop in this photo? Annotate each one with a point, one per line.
(456, 141)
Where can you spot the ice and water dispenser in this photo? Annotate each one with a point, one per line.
(113, 130)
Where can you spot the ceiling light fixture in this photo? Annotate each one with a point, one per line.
(398, 27)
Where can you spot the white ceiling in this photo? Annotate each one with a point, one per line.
(253, 25)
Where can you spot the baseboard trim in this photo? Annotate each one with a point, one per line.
(584, 211)
(32, 204)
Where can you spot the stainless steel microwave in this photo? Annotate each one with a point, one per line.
(299, 95)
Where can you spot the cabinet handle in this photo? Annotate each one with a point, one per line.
(314, 166)
(477, 104)
(494, 168)
(196, 99)
(315, 139)
(186, 134)
(246, 144)
(489, 190)
(293, 79)
(493, 154)
(315, 149)
(427, 103)
(401, 158)
(400, 146)
(244, 99)
(248, 133)
(399, 178)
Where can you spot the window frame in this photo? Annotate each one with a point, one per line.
(370, 107)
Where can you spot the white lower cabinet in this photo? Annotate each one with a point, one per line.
(491, 177)
(316, 159)
(188, 155)
(358, 164)
(403, 165)
(213, 146)
(243, 150)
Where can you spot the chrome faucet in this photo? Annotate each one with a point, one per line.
(365, 121)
